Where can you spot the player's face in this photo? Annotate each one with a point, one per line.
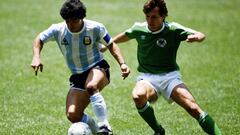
(154, 20)
(74, 25)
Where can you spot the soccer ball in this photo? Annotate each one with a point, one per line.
(79, 128)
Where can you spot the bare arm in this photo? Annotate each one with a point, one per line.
(36, 61)
(116, 53)
(120, 38)
(195, 37)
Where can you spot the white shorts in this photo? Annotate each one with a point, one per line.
(163, 83)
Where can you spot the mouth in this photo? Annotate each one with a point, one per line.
(151, 26)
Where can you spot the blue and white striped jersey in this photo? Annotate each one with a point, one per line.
(81, 50)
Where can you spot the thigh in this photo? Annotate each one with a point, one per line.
(181, 95)
(184, 98)
(97, 79)
(77, 101)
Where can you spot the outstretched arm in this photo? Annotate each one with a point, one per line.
(195, 37)
(120, 38)
(36, 61)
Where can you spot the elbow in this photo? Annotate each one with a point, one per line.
(37, 43)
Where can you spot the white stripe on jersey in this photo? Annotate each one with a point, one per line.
(75, 50)
(81, 50)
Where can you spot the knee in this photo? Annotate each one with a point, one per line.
(91, 88)
(73, 116)
(139, 97)
(194, 110)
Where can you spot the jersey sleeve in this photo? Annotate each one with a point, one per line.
(137, 29)
(130, 33)
(182, 31)
(105, 38)
(48, 34)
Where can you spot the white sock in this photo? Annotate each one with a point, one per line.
(100, 109)
(90, 121)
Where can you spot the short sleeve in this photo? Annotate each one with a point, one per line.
(182, 31)
(130, 32)
(48, 34)
(105, 38)
(137, 29)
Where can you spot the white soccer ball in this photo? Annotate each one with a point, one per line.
(79, 128)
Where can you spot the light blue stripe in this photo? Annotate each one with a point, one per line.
(84, 118)
(97, 54)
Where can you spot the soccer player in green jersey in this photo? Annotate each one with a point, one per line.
(158, 42)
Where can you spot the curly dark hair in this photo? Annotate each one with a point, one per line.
(151, 4)
(73, 9)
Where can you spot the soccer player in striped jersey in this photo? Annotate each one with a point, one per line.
(158, 42)
(80, 42)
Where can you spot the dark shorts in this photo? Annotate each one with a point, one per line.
(78, 80)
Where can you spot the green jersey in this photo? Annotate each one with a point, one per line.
(156, 51)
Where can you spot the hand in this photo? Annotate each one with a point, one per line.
(102, 48)
(37, 65)
(125, 70)
(198, 36)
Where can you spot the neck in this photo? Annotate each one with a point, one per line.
(154, 29)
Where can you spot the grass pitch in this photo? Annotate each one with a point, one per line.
(36, 105)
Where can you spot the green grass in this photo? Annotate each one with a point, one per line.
(36, 105)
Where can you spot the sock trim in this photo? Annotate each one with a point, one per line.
(95, 97)
(202, 116)
(144, 108)
(84, 118)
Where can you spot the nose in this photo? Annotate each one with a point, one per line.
(150, 20)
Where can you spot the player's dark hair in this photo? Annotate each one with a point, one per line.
(151, 4)
(73, 9)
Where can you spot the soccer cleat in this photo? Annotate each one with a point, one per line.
(161, 132)
(103, 130)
